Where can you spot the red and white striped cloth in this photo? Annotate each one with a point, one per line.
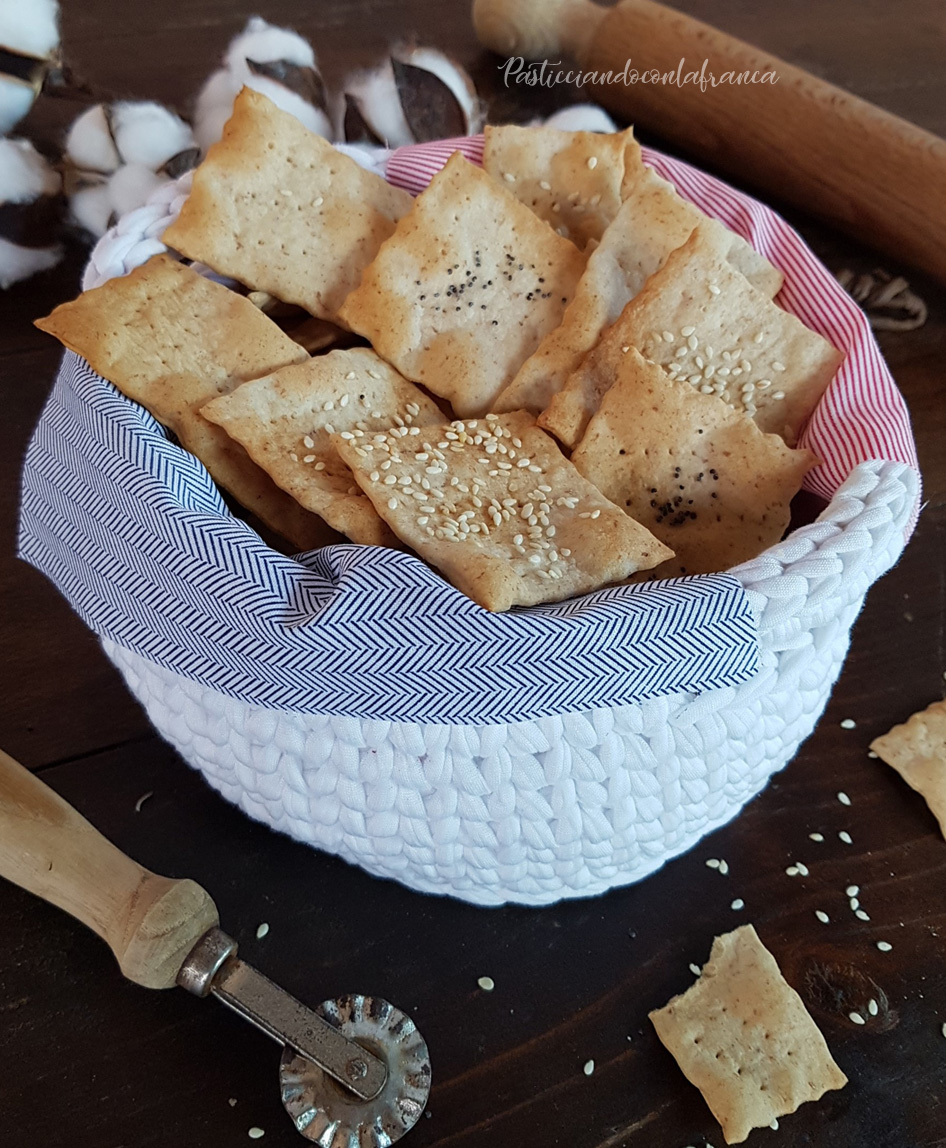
(862, 415)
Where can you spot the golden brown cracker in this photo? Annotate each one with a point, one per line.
(702, 321)
(743, 1036)
(286, 421)
(283, 211)
(171, 340)
(494, 505)
(572, 180)
(465, 289)
(917, 751)
(700, 476)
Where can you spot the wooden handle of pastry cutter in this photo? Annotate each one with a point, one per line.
(870, 173)
(150, 923)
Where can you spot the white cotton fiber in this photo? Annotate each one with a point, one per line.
(377, 97)
(18, 263)
(91, 208)
(263, 43)
(89, 143)
(309, 116)
(24, 173)
(582, 118)
(29, 27)
(148, 133)
(16, 99)
(130, 187)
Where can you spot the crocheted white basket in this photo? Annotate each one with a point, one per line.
(575, 798)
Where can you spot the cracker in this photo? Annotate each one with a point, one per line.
(281, 210)
(496, 507)
(286, 421)
(917, 751)
(572, 180)
(651, 223)
(699, 475)
(172, 340)
(466, 288)
(703, 321)
(743, 1036)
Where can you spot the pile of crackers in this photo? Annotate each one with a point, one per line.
(543, 376)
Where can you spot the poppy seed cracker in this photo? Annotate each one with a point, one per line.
(699, 475)
(494, 505)
(743, 1036)
(466, 288)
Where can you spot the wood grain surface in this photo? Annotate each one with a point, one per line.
(88, 1060)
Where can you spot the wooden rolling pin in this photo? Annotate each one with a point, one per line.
(870, 173)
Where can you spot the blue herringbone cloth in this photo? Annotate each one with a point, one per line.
(134, 533)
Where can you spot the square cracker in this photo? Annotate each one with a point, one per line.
(917, 751)
(651, 223)
(466, 288)
(496, 507)
(172, 340)
(286, 421)
(573, 180)
(743, 1036)
(703, 321)
(701, 476)
(281, 210)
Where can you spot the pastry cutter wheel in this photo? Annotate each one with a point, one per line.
(354, 1073)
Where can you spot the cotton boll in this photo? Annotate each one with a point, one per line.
(309, 116)
(24, 174)
(30, 27)
(18, 263)
(374, 93)
(89, 143)
(456, 78)
(29, 226)
(148, 134)
(16, 99)
(91, 208)
(264, 42)
(581, 118)
(130, 187)
(213, 107)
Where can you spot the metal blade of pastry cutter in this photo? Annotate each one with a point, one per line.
(212, 968)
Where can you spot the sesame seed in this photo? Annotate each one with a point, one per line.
(318, 202)
(256, 1133)
(759, 337)
(624, 350)
(509, 177)
(792, 871)
(487, 984)
(320, 466)
(844, 799)
(687, 332)
(780, 367)
(773, 1124)
(852, 890)
(589, 1067)
(723, 868)
(861, 915)
(696, 970)
(592, 162)
(854, 903)
(778, 395)
(870, 753)
(816, 836)
(714, 290)
(802, 869)
(856, 1018)
(738, 904)
(712, 863)
(845, 837)
(545, 185)
(392, 504)
(885, 947)
(261, 931)
(873, 1007)
(943, 1029)
(329, 429)
(308, 441)
(822, 916)
(693, 342)
(848, 723)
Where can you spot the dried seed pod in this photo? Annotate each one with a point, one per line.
(117, 154)
(416, 95)
(30, 212)
(29, 46)
(275, 61)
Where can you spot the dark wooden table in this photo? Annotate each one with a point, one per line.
(87, 1059)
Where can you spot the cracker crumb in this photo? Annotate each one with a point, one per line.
(487, 984)
(261, 931)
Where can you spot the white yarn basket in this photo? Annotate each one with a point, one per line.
(554, 807)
